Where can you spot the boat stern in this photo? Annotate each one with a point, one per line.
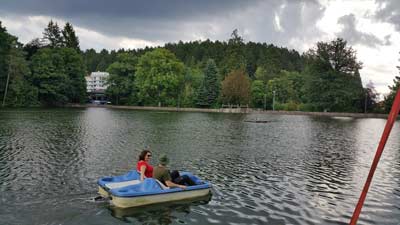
(103, 192)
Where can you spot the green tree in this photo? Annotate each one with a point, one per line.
(103, 60)
(74, 69)
(388, 102)
(258, 94)
(20, 91)
(283, 88)
(234, 58)
(297, 85)
(48, 75)
(5, 48)
(235, 53)
(121, 87)
(236, 88)
(261, 74)
(192, 84)
(333, 79)
(265, 74)
(210, 88)
(32, 47)
(159, 75)
(58, 74)
(14, 72)
(69, 37)
(91, 60)
(370, 98)
(52, 35)
(335, 56)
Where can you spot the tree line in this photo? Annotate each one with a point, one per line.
(50, 71)
(45, 71)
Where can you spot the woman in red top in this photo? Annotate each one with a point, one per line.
(143, 166)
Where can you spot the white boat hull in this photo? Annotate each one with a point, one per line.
(127, 202)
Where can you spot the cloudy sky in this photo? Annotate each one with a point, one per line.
(371, 27)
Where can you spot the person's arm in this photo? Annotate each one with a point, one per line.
(172, 184)
(142, 171)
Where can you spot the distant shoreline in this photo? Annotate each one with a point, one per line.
(233, 110)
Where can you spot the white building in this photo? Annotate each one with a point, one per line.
(96, 82)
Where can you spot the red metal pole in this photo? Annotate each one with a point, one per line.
(388, 127)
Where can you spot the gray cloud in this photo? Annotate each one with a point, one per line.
(170, 9)
(299, 20)
(173, 20)
(389, 11)
(151, 20)
(354, 36)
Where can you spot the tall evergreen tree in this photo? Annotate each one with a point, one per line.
(91, 60)
(104, 60)
(52, 35)
(234, 58)
(210, 89)
(70, 38)
(202, 97)
(32, 47)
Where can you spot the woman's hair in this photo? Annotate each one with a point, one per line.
(143, 154)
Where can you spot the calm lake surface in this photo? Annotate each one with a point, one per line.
(290, 170)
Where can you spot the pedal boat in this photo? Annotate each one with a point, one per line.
(125, 193)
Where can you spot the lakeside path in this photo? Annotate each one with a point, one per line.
(233, 110)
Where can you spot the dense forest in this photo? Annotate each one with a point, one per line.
(50, 71)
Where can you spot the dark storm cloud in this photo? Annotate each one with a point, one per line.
(166, 9)
(151, 20)
(354, 36)
(169, 21)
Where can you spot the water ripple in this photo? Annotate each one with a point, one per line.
(272, 173)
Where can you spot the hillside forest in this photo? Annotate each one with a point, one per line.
(50, 71)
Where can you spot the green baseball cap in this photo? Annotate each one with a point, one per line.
(163, 160)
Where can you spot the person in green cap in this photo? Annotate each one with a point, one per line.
(162, 174)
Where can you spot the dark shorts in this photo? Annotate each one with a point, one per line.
(182, 180)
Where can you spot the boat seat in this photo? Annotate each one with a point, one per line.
(121, 184)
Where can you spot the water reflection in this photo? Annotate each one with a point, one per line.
(328, 166)
(165, 213)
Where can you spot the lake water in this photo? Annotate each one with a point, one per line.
(289, 170)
